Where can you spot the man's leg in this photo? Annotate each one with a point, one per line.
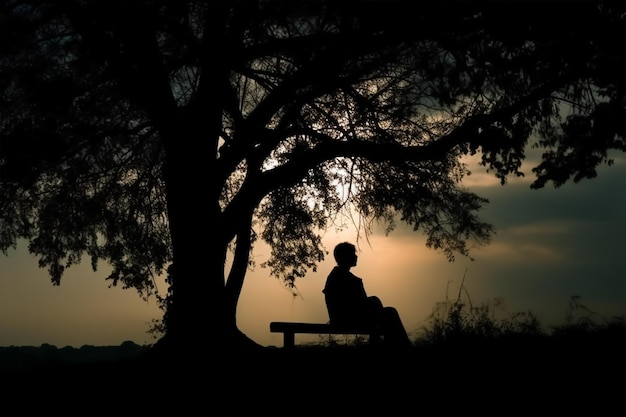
(393, 329)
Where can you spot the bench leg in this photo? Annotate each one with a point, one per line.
(288, 340)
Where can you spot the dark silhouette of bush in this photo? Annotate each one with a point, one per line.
(24, 357)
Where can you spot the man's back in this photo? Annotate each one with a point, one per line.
(345, 297)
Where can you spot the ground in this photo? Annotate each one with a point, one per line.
(513, 378)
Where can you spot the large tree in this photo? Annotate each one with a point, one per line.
(160, 135)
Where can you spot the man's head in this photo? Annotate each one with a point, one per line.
(345, 254)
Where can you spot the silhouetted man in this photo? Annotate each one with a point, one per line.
(348, 303)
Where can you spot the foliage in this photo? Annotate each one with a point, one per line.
(46, 355)
(348, 340)
(463, 323)
(459, 321)
(580, 321)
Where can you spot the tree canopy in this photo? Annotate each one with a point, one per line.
(157, 133)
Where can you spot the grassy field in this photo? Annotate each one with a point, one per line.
(466, 363)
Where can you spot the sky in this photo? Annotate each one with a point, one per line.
(550, 244)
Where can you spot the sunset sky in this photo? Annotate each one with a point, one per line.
(551, 244)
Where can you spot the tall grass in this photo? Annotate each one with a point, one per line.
(460, 320)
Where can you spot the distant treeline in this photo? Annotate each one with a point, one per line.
(20, 357)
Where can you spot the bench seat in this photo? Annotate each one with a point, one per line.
(289, 329)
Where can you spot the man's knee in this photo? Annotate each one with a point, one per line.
(375, 302)
(390, 312)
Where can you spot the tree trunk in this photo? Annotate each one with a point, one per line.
(200, 309)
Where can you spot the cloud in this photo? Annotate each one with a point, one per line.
(541, 229)
(521, 252)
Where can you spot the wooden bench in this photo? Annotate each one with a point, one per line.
(289, 329)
